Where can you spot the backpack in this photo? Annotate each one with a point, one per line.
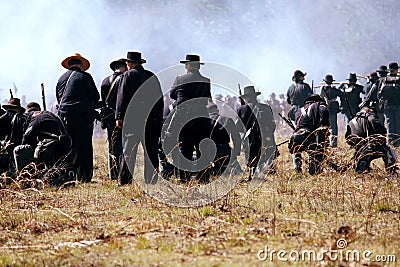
(390, 88)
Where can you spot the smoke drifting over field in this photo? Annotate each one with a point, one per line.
(265, 40)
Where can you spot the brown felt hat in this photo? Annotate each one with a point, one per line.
(250, 90)
(14, 103)
(85, 62)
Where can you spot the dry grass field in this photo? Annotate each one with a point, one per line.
(290, 215)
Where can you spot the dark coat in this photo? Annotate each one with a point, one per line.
(312, 116)
(130, 83)
(80, 95)
(189, 86)
(391, 94)
(105, 89)
(297, 93)
(223, 130)
(12, 126)
(39, 127)
(330, 94)
(365, 124)
(351, 96)
(262, 121)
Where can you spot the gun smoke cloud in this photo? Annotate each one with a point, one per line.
(265, 40)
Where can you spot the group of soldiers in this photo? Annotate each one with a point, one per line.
(133, 110)
(315, 118)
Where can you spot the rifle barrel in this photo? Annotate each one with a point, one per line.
(43, 96)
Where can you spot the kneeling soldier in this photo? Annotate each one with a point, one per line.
(44, 141)
(312, 130)
(367, 136)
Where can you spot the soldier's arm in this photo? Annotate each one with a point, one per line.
(174, 89)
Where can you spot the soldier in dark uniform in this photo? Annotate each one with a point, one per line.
(258, 120)
(222, 132)
(44, 141)
(12, 124)
(312, 123)
(382, 71)
(192, 92)
(109, 88)
(77, 97)
(351, 97)
(367, 136)
(145, 127)
(371, 96)
(389, 95)
(296, 95)
(331, 94)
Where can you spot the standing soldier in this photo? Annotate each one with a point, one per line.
(389, 95)
(330, 94)
(382, 71)
(146, 125)
(371, 96)
(275, 105)
(192, 86)
(312, 123)
(109, 88)
(296, 95)
(351, 97)
(258, 120)
(77, 97)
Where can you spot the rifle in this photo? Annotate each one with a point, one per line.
(242, 103)
(43, 96)
(289, 122)
(312, 86)
(11, 94)
(347, 101)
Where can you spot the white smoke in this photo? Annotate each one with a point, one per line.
(265, 40)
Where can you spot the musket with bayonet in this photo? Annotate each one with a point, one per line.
(289, 122)
(11, 93)
(43, 96)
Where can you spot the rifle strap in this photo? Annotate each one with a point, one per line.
(112, 88)
(65, 88)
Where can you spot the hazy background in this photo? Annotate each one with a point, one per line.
(264, 40)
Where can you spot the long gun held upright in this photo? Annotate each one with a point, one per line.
(11, 94)
(43, 96)
(240, 98)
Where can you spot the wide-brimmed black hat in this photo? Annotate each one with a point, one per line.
(297, 74)
(192, 58)
(250, 90)
(329, 78)
(314, 98)
(382, 68)
(393, 66)
(14, 103)
(32, 106)
(352, 77)
(77, 56)
(135, 57)
(118, 62)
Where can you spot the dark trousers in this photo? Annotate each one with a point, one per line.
(189, 140)
(80, 129)
(114, 138)
(392, 116)
(151, 161)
